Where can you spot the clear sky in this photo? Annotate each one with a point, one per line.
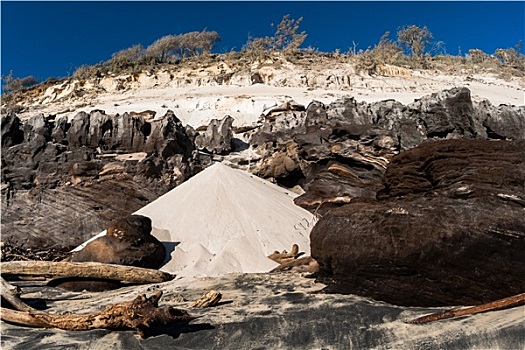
(46, 39)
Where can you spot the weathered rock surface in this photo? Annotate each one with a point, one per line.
(218, 136)
(340, 151)
(63, 181)
(67, 216)
(128, 242)
(268, 311)
(331, 154)
(447, 228)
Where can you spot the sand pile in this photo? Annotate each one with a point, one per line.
(225, 220)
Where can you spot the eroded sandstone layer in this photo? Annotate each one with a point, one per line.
(447, 228)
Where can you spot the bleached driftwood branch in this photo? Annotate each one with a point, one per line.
(292, 262)
(140, 315)
(284, 256)
(500, 304)
(11, 294)
(86, 270)
(209, 299)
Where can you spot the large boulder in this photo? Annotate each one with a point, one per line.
(446, 229)
(128, 242)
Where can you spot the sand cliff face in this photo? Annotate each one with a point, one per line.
(199, 92)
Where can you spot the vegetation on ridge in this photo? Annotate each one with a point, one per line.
(409, 50)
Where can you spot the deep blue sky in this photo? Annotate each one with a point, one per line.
(46, 39)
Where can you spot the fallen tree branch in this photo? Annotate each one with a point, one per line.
(11, 294)
(86, 270)
(304, 264)
(500, 304)
(140, 315)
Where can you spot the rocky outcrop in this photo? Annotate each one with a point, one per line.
(128, 242)
(447, 228)
(340, 151)
(66, 216)
(218, 136)
(45, 150)
(78, 175)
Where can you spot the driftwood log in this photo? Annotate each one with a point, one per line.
(209, 299)
(500, 304)
(141, 315)
(11, 294)
(284, 256)
(291, 261)
(305, 264)
(85, 270)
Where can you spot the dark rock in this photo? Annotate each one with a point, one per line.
(67, 216)
(218, 136)
(502, 122)
(12, 133)
(42, 156)
(128, 242)
(447, 229)
(361, 139)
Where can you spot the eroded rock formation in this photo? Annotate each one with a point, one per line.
(447, 228)
(340, 151)
(64, 180)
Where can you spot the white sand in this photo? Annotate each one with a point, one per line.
(225, 220)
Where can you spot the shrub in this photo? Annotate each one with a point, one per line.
(127, 57)
(86, 71)
(10, 83)
(385, 52)
(160, 49)
(476, 56)
(414, 39)
(511, 57)
(180, 46)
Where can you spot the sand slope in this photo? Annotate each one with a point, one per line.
(225, 220)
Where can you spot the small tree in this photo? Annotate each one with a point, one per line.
(512, 57)
(182, 45)
(286, 38)
(13, 84)
(160, 49)
(414, 39)
(385, 52)
(197, 43)
(476, 56)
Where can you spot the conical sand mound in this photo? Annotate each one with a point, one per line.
(225, 220)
